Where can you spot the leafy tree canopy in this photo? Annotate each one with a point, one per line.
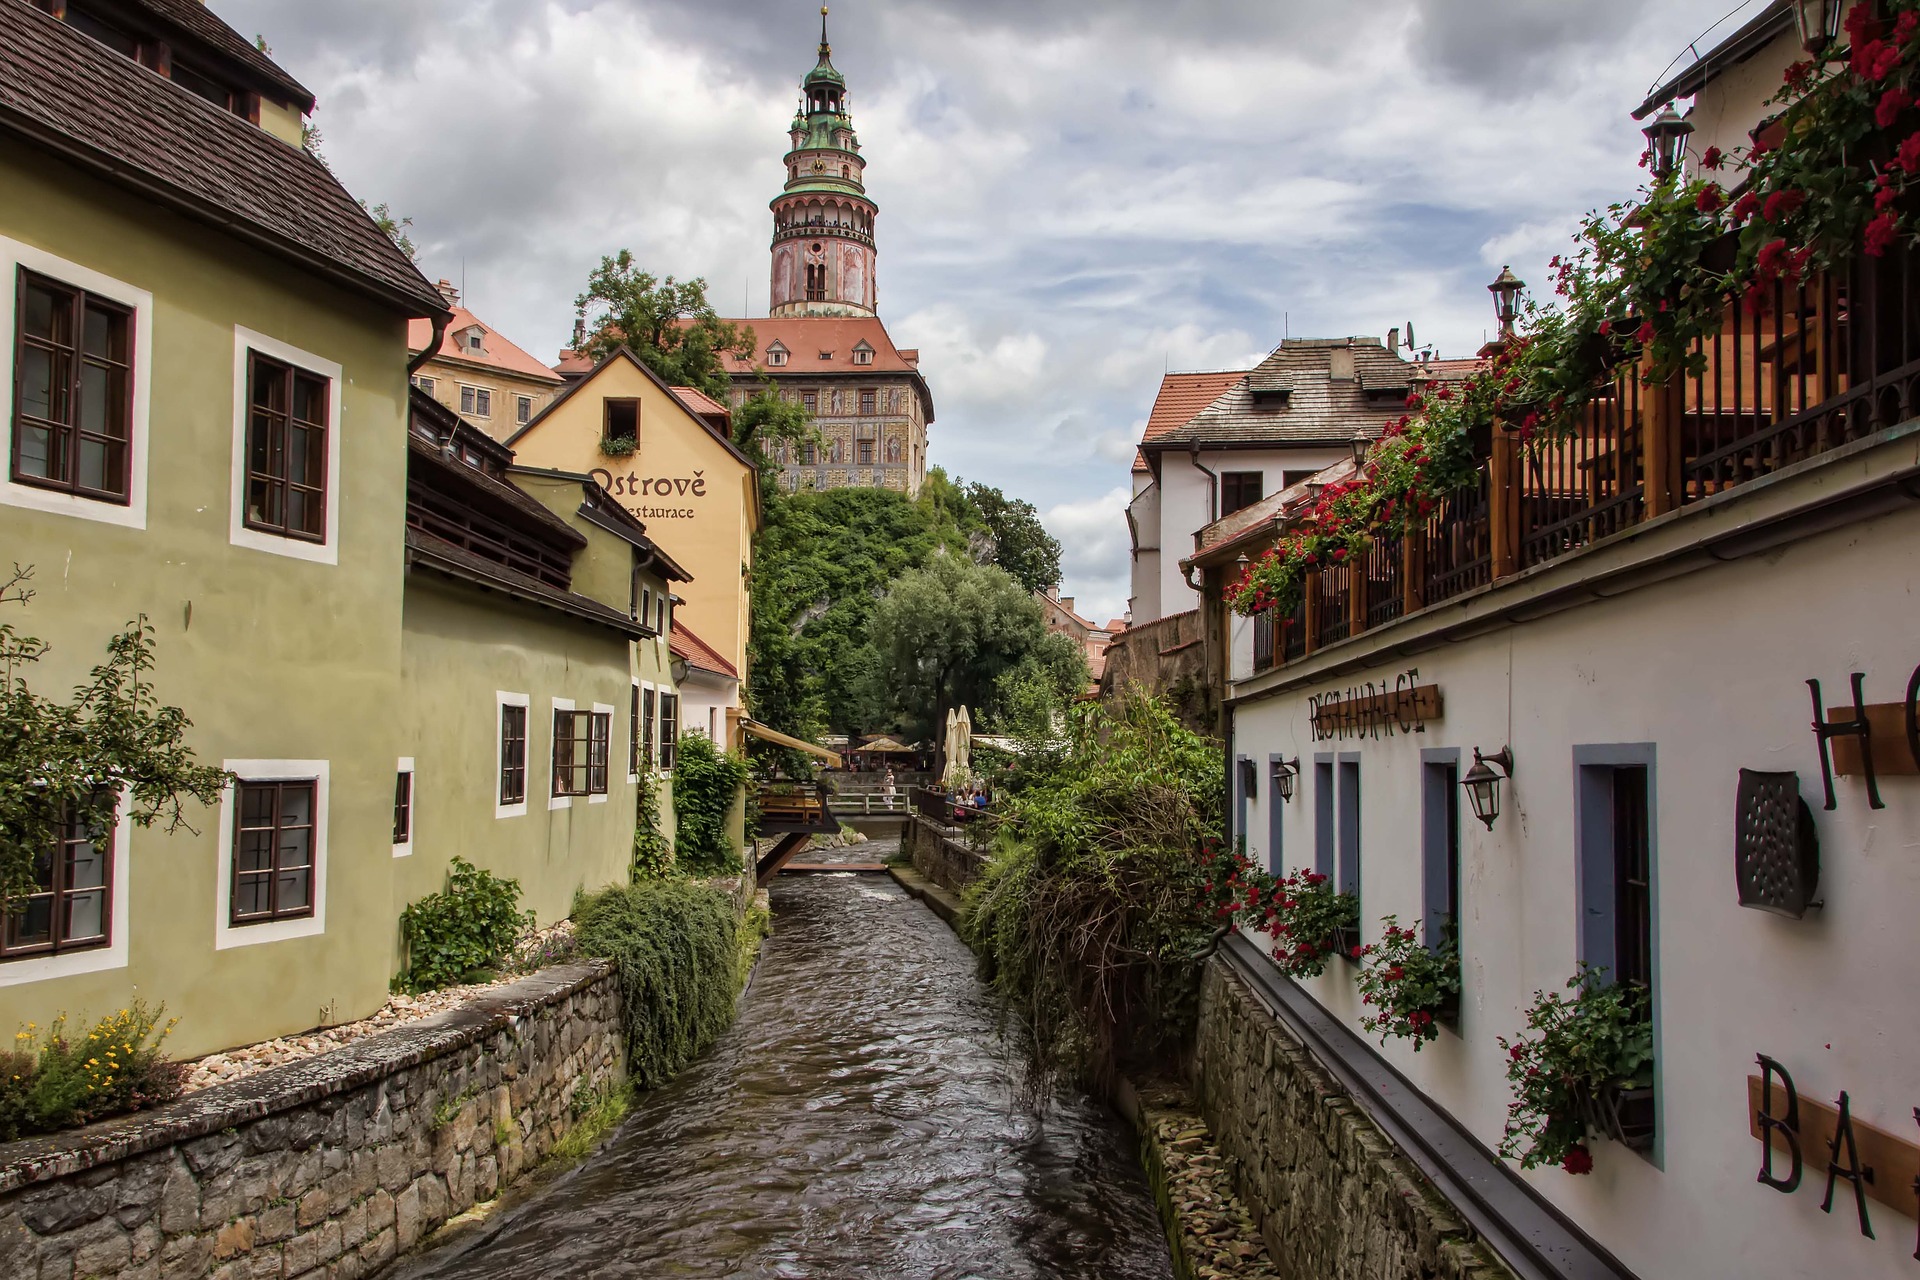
(764, 419)
(1021, 544)
(669, 324)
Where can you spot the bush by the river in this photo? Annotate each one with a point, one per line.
(463, 932)
(677, 945)
(706, 783)
(55, 1079)
(1091, 918)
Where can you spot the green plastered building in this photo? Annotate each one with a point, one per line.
(206, 414)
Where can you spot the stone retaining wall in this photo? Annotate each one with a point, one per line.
(329, 1167)
(1334, 1199)
(945, 861)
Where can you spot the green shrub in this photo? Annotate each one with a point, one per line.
(467, 928)
(706, 782)
(676, 945)
(53, 1081)
(652, 852)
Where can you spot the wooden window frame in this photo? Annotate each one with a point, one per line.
(669, 730)
(274, 871)
(863, 450)
(65, 433)
(259, 366)
(649, 704)
(1233, 490)
(513, 763)
(403, 807)
(522, 410)
(869, 402)
(572, 753)
(599, 750)
(606, 417)
(59, 891)
(471, 397)
(633, 735)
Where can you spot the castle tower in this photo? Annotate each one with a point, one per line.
(823, 251)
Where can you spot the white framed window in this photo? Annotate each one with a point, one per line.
(423, 382)
(475, 401)
(600, 753)
(272, 853)
(776, 355)
(522, 410)
(862, 353)
(403, 808)
(93, 959)
(326, 548)
(633, 736)
(560, 801)
(513, 753)
(132, 514)
(649, 710)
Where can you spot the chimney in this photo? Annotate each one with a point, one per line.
(1340, 364)
(1053, 592)
(1066, 602)
(447, 291)
(579, 330)
(1393, 340)
(911, 355)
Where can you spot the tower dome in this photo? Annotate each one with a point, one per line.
(823, 245)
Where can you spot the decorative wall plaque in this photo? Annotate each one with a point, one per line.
(1776, 852)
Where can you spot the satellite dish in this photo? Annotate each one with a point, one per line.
(1411, 344)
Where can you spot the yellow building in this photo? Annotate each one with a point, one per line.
(477, 373)
(673, 469)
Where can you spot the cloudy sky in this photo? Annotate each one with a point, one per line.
(1075, 195)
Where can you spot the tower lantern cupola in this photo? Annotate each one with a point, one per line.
(823, 246)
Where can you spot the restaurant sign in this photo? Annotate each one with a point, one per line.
(1375, 709)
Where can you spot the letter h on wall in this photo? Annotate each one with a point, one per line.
(1857, 727)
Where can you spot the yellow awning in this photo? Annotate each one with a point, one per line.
(762, 732)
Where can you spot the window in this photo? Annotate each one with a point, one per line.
(204, 86)
(866, 453)
(816, 282)
(474, 336)
(403, 807)
(669, 729)
(286, 457)
(1614, 844)
(572, 753)
(660, 615)
(423, 382)
(476, 402)
(522, 410)
(648, 702)
(869, 402)
(1290, 478)
(1632, 879)
(73, 380)
(1323, 813)
(106, 33)
(1239, 489)
(808, 454)
(1245, 792)
(645, 616)
(1439, 843)
(273, 851)
(633, 735)
(776, 355)
(513, 753)
(622, 420)
(1348, 881)
(599, 751)
(1264, 628)
(863, 354)
(1276, 815)
(826, 355)
(810, 401)
(70, 905)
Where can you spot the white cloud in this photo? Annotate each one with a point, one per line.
(1095, 552)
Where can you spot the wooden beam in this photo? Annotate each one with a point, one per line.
(1503, 502)
(1895, 1162)
(1887, 729)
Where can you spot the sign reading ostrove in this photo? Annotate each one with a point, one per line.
(1871, 1161)
(631, 486)
(1375, 710)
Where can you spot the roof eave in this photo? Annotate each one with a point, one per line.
(1731, 52)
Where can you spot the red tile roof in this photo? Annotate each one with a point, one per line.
(699, 401)
(682, 643)
(495, 353)
(1182, 395)
(806, 338)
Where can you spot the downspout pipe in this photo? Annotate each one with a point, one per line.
(432, 348)
(1213, 481)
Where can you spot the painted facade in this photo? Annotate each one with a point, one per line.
(479, 374)
(823, 242)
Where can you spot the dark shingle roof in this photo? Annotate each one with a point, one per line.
(204, 25)
(1317, 410)
(62, 91)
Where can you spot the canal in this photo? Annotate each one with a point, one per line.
(859, 1120)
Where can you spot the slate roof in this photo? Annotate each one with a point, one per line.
(204, 25)
(495, 353)
(61, 91)
(1182, 395)
(1318, 410)
(682, 643)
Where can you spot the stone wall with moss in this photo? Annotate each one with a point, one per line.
(941, 859)
(327, 1167)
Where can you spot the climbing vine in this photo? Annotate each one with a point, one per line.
(652, 851)
(706, 784)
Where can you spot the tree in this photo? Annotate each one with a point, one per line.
(72, 761)
(395, 228)
(1021, 544)
(947, 634)
(766, 419)
(669, 324)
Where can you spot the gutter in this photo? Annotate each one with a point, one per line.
(1213, 481)
(432, 348)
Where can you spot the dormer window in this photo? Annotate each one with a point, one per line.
(473, 337)
(1271, 397)
(863, 354)
(826, 355)
(776, 355)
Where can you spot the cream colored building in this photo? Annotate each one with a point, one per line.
(477, 373)
(697, 495)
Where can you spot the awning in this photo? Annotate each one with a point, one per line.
(884, 746)
(762, 732)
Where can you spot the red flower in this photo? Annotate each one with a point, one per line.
(1606, 327)
(1419, 1017)
(1711, 160)
(1885, 196)
(1578, 1160)
(1800, 75)
(1396, 973)
(1908, 157)
(1872, 62)
(1646, 333)
(1773, 256)
(1859, 23)
(1782, 204)
(1881, 233)
(1710, 199)
(1314, 877)
(1745, 207)
(1517, 1052)
(1907, 26)
(1892, 103)
(1355, 953)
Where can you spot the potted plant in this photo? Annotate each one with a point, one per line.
(617, 446)
(1585, 1072)
(1411, 988)
(1311, 921)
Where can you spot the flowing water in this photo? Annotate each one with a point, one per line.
(859, 1120)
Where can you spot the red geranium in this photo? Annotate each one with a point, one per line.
(1745, 207)
(1710, 199)
(1907, 158)
(1783, 204)
(1646, 333)
(1891, 104)
(1578, 1160)
(1711, 160)
(1881, 233)
(1772, 259)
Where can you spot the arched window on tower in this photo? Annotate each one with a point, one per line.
(816, 282)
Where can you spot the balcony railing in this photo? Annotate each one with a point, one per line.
(1831, 361)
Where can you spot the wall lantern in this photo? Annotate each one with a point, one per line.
(1483, 784)
(1819, 23)
(1314, 489)
(1506, 299)
(1421, 380)
(1667, 141)
(1362, 445)
(1284, 772)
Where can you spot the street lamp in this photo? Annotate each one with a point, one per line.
(1667, 141)
(1314, 489)
(1506, 299)
(1819, 23)
(1284, 772)
(1483, 784)
(1362, 445)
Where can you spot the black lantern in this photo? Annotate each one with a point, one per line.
(1819, 23)
(1283, 773)
(1483, 784)
(1506, 299)
(1667, 141)
(1362, 445)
